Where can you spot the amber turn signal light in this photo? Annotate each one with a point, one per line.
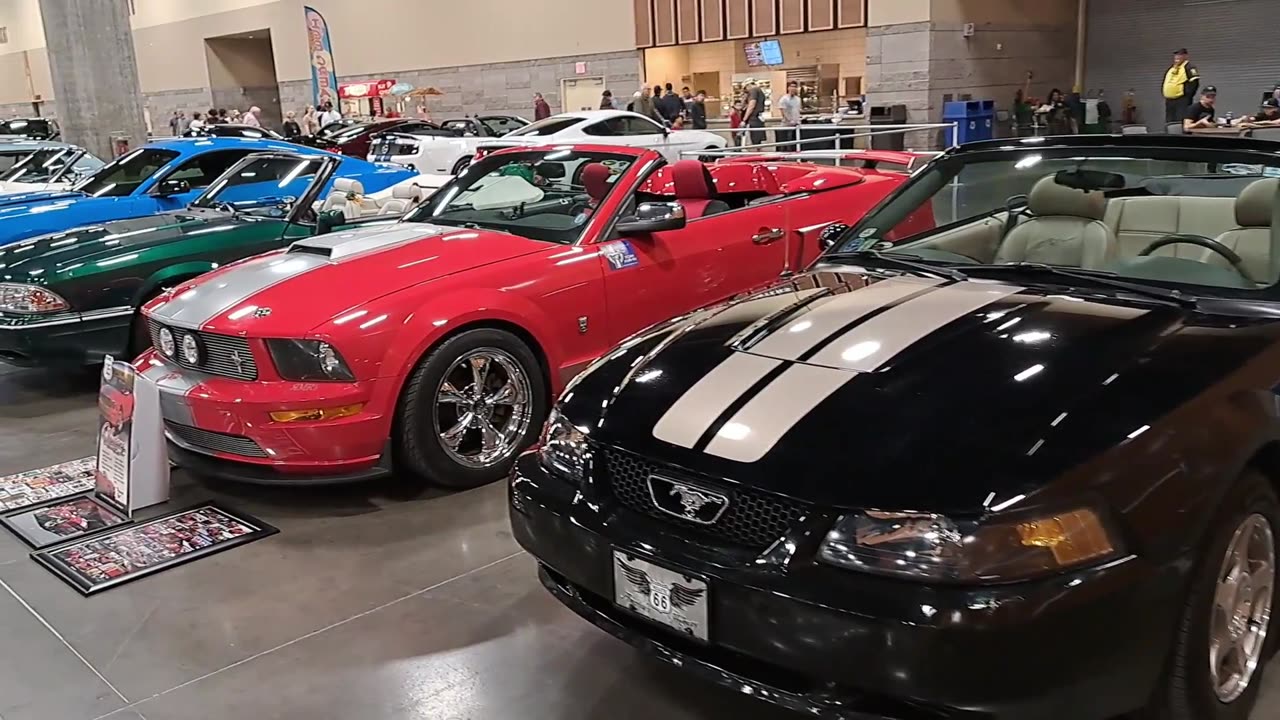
(286, 416)
(1073, 538)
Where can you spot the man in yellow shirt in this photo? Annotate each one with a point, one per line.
(1180, 85)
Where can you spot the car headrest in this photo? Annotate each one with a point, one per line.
(348, 185)
(405, 192)
(1049, 198)
(692, 181)
(550, 170)
(1254, 206)
(595, 179)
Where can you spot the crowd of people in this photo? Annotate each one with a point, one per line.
(1181, 83)
(689, 109)
(310, 123)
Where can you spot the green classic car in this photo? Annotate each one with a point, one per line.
(68, 299)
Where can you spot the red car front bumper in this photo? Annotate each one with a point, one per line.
(223, 427)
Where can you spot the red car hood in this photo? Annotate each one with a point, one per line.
(287, 294)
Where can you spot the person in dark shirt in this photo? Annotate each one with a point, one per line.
(1202, 114)
(698, 110)
(1269, 116)
(753, 117)
(670, 105)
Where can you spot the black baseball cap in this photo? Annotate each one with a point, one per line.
(1271, 103)
(1211, 90)
(1181, 51)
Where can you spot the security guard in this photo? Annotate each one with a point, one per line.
(1180, 85)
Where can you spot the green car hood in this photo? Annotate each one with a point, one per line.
(115, 246)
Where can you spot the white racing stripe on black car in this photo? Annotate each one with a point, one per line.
(830, 360)
(700, 406)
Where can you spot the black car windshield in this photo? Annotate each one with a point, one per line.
(27, 128)
(1156, 215)
(545, 195)
(124, 174)
(41, 166)
(350, 132)
(549, 126)
(262, 186)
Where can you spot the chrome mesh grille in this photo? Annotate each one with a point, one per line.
(753, 520)
(219, 354)
(215, 441)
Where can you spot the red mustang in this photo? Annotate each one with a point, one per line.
(436, 344)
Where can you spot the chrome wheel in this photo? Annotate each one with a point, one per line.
(1242, 608)
(483, 408)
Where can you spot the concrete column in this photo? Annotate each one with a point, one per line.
(95, 72)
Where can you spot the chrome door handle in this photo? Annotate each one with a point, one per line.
(767, 236)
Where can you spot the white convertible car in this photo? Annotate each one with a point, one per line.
(608, 127)
(36, 165)
(446, 151)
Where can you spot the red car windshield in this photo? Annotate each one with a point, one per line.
(541, 195)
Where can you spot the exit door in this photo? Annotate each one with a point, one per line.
(581, 93)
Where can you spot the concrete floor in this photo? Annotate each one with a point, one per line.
(369, 604)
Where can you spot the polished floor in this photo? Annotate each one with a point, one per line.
(371, 603)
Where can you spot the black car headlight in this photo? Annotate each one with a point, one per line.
(311, 360)
(934, 548)
(563, 450)
(30, 300)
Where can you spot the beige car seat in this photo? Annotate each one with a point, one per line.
(1252, 239)
(403, 197)
(1066, 229)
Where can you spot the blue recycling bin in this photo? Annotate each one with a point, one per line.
(975, 120)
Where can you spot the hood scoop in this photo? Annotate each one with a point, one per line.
(341, 245)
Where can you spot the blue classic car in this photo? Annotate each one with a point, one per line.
(155, 178)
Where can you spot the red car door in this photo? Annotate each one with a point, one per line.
(651, 277)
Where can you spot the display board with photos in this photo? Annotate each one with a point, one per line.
(35, 487)
(62, 520)
(134, 551)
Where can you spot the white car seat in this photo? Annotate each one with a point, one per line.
(1066, 229)
(1252, 239)
(403, 197)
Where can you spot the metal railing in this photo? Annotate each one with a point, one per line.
(793, 148)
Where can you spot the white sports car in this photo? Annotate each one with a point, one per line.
(33, 166)
(446, 151)
(608, 127)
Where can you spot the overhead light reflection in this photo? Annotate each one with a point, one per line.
(1029, 373)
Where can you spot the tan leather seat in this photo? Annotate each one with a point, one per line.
(1139, 221)
(403, 197)
(1066, 229)
(1251, 240)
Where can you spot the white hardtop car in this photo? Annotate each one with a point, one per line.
(446, 151)
(608, 127)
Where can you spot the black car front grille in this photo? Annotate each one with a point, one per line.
(753, 520)
(219, 354)
(394, 147)
(200, 439)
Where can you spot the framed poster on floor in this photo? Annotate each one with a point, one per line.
(34, 487)
(135, 551)
(62, 520)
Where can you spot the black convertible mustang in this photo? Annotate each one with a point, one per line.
(1010, 449)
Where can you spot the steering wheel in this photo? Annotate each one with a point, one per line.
(1237, 263)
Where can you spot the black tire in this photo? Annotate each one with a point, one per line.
(417, 443)
(1186, 692)
(461, 165)
(710, 158)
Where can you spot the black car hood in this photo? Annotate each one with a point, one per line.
(850, 390)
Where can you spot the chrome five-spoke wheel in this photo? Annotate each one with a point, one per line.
(1242, 608)
(483, 407)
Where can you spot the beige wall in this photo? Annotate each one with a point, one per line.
(239, 62)
(172, 56)
(898, 12)
(1003, 11)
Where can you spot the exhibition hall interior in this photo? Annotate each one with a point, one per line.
(634, 359)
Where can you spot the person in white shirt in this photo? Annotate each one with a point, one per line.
(196, 123)
(251, 118)
(789, 106)
(329, 115)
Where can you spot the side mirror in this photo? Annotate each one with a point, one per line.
(328, 220)
(172, 187)
(653, 217)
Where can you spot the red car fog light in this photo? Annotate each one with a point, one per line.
(286, 416)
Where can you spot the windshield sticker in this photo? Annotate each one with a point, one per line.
(868, 232)
(620, 255)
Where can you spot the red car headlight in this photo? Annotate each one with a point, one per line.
(309, 360)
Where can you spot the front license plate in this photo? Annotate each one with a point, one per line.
(669, 597)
